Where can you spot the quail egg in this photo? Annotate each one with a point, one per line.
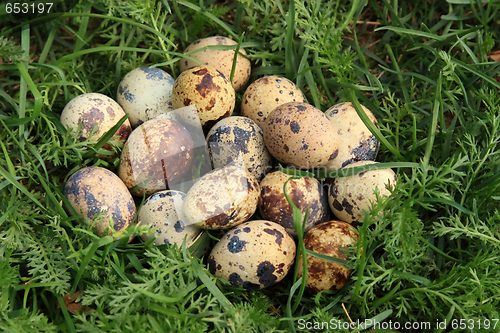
(265, 94)
(208, 90)
(157, 155)
(306, 193)
(350, 196)
(144, 93)
(299, 134)
(97, 193)
(97, 111)
(254, 255)
(356, 143)
(162, 212)
(235, 136)
(222, 198)
(222, 60)
(328, 238)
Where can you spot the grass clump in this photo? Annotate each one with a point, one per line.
(424, 69)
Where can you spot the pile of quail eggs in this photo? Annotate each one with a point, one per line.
(175, 128)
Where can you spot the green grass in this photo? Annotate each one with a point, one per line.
(421, 67)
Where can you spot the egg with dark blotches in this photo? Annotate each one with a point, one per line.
(97, 112)
(301, 135)
(145, 93)
(222, 198)
(265, 94)
(350, 196)
(329, 238)
(209, 90)
(254, 255)
(158, 153)
(162, 212)
(239, 137)
(222, 60)
(356, 142)
(305, 192)
(100, 197)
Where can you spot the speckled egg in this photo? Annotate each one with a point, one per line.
(267, 93)
(236, 137)
(95, 110)
(306, 193)
(208, 89)
(144, 93)
(254, 255)
(356, 142)
(222, 198)
(299, 134)
(158, 153)
(328, 238)
(349, 196)
(162, 212)
(222, 60)
(93, 190)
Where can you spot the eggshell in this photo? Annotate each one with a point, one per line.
(356, 142)
(208, 90)
(254, 255)
(157, 153)
(222, 60)
(349, 196)
(162, 212)
(222, 198)
(300, 134)
(328, 238)
(236, 137)
(95, 110)
(306, 193)
(265, 94)
(144, 93)
(93, 190)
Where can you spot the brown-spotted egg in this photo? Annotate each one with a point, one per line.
(158, 153)
(305, 193)
(162, 212)
(265, 94)
(356, 142)
(236, 137)
(328, 238)
(350, 196)
(222, 198)
(144, 93)
(95, 192)
(254, 255)
(94, 110)
(222, 60)
(299, 134)
(207, 89)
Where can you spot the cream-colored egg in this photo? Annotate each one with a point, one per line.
(162, 212)
(100, 197)
(328, 238)
(158, 153)
(350, 196)
(144, 93)
(306, 193)
(254, 255)
(222, 60)
(239, 137)
(95, 111)
(207, 89)
(265, 94)
(222, 198)
(356, 142)
(300, 134)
